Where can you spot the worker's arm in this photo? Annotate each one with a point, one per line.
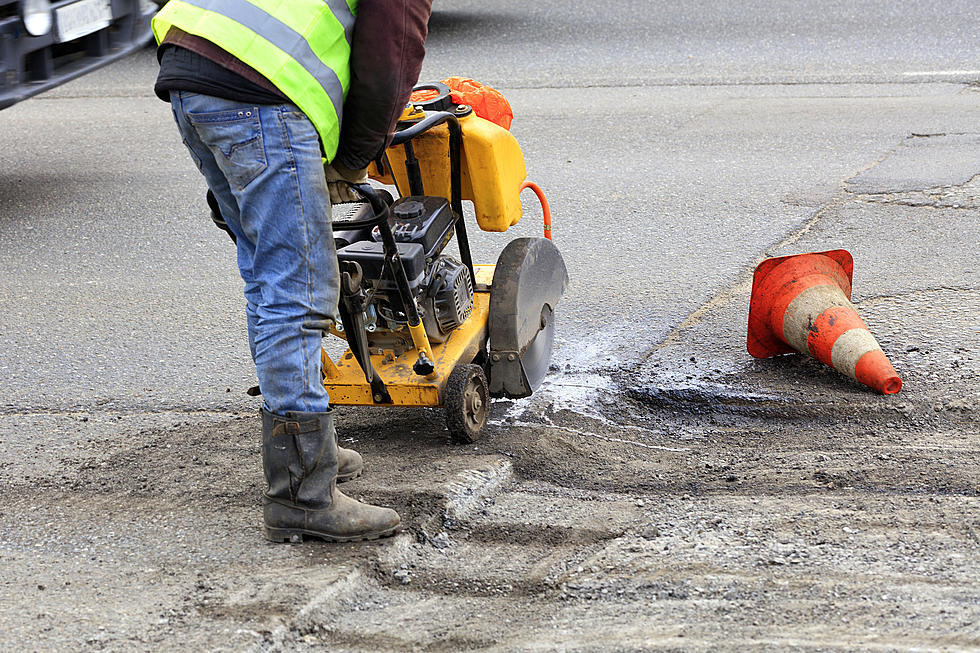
(386, 58)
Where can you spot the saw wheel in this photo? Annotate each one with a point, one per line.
(528, 280)
(467, 401)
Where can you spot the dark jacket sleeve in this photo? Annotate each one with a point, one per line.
(386, 58)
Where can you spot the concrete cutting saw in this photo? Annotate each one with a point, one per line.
(423, 327)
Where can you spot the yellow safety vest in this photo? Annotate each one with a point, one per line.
(301, 46)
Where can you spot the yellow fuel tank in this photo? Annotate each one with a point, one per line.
(492, 167)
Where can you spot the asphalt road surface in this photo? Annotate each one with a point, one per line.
(662, 491)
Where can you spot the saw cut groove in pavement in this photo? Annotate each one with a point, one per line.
(675, 565)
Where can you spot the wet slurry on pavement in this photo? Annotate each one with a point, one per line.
(662, 490)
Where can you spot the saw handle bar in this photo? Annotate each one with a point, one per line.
(423, 366)
(405, 136)
(380, 220)
(433, 119)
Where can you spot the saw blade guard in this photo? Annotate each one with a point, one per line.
(528, 281)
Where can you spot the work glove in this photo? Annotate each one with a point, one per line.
(338, 178)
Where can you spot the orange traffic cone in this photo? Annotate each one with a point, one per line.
(802, 303)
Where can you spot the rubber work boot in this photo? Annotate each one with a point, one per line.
(299, 456)
(349, 464)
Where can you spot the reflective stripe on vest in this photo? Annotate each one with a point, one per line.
(301, 46)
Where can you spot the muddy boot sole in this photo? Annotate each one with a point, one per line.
(298, 535)
(343, 478)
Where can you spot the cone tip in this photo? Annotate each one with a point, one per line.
(891, 385)
(875, 371)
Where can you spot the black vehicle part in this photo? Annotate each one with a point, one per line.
(528, 281)
(427, 221)
(392, 260)
(351, 309)
(343, 216)
(216, 217)
(467, 402)
(33, 64)
(423, 366)
(371, 257)
(441, 102)
(344, 237)
(447, 300)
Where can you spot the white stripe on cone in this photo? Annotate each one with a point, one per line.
(807, 307)
(848, 349)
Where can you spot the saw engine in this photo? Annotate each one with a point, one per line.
(443, 289)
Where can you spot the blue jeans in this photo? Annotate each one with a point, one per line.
(263, 164)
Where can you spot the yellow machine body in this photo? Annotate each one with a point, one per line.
(344, 379)
(492, 169)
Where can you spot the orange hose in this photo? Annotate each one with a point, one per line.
(544, 206)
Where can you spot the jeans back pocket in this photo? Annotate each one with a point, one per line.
(234, 136)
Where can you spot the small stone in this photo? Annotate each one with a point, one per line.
(650, 532)
(403, 576)
(440, 541)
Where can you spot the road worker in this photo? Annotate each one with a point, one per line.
(263, 91)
